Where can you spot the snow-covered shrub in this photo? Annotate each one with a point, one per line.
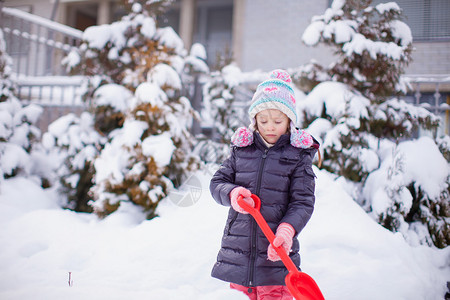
(18, 132)
(307, 76)
(73, 143)
(136, 73)
(336, 115)
(373, 45)
(409, 193)
(124, 51)
(150, 153)
(226, 95)
(356, 110)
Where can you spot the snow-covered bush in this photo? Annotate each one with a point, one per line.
(372, 44)
(150, 153)
(73, 143)
(335, 114)
(357, 109)
(123, 52)
(373, 47)
(226, 95)
(139, 106)
(409, 193)
(18, 132)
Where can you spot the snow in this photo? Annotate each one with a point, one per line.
(164, 75)
(113, 95)
(402, 32)
(198, 50)
(52, 253)
(430, 170)
(197, 58)
(169, 38)
(160, 147)
(386, 7)
(420, 161)
(331, 26)
(149, 93)
(125, 256)
(14, 156)
(341, 101)
(114, 157)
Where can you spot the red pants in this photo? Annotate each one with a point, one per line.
(268, 292)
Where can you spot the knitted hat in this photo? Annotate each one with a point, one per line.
(274, 93)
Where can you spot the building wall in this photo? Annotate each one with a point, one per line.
(430, 58)
(272, 31)
(267, 35)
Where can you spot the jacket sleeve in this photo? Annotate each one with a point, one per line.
(223, 181)
(301, 203)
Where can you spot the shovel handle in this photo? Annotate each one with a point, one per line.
(256, 214)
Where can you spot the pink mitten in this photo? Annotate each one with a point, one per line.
(245, 194)
(283, 237)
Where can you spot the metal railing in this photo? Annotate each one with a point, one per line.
(433, 93)
(37, 47)
(35, 44)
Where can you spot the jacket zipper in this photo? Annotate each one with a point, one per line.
(254, 226)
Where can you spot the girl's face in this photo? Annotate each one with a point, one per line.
(272, 124)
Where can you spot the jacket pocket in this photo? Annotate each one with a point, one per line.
(309, 171)
(233, 219)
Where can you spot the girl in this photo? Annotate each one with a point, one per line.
(273, 160)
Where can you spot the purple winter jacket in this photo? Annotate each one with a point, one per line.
(283, 178)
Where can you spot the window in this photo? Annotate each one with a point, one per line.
(429, 20)
(213, 30)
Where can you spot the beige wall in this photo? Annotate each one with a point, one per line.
(267, 35)
(430, 58)
(271, 31)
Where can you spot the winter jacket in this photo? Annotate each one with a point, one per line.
(283, 178)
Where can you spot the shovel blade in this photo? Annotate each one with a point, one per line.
(303, 287)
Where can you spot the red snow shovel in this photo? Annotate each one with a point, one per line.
(300, 284)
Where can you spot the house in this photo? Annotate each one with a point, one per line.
(266, 34)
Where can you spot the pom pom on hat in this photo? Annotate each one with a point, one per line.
(301, 139)
(242, 137)
(275, 93)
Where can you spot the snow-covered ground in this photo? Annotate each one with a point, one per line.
(127, 257)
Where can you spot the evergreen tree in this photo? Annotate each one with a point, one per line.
(361, 108)
(73, 143)
(149, 143)
(18, 133)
